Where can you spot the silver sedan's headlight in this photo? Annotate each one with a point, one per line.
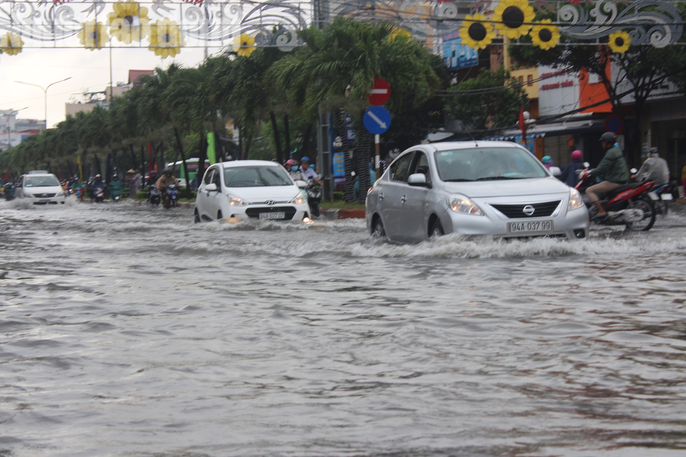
(299, 199)
(235, 201)
(464, 205)
(576, 201)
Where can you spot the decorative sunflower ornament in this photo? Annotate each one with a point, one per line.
(476, 32)
(619, 42)
(244, 45)
(93, 35)
(128, 22)
(11, 44)
(166, 38)
(544, 34)
(513, 18)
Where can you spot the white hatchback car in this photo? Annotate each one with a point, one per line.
(255, 189)
(41, 187)
(474, 188)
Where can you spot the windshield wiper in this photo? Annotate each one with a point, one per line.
(457, 180)
(496, 178)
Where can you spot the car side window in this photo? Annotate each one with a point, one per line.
(216, 178)
(208, 176)
(400, 167)
(422, 165)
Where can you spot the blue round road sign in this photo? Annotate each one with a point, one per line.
(614, 123)
(377, 119)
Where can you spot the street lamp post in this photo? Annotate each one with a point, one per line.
(45, 94)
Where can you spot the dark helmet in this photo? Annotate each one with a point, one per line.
(167, 171)
(610, 137)
(305, 159)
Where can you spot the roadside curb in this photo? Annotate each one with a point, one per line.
(332, 214)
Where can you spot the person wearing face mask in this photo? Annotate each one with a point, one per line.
(293, 167)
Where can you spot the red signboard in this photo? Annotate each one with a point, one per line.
(380, 92)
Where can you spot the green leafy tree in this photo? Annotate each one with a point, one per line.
(490, 100)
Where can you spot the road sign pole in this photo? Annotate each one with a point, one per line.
(377, 157)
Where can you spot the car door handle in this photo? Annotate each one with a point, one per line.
(403, 199)
(381, 197)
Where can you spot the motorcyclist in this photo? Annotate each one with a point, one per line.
(309, 173)
(293, 167)
(613, 171)
(570, 174)
(152, 179)
(166, 179)
(97, 184)
(654, 169)
(116, 187)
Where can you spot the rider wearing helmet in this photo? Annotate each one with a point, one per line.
(612, 170)
(293, 167)
(308, 170)
(570, 174)
(654, 168)
(166, 179)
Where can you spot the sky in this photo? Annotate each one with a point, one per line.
(89, 72)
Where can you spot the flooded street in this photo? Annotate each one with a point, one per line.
(126, 330)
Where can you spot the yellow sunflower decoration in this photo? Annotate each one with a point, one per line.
(545, 35)
(619, 42)
(513, 18)
(244, 45)
(399, 33)
(128, 22)
(11, 43)
(93, 35)
(166, 38)
(476, 32)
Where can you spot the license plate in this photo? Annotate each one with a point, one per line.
(533, 226)
(666, 196)
(653, 196)
(278, 215)
(44, 200)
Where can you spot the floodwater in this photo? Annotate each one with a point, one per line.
(130, 331)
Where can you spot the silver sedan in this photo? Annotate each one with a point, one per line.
(474, 188)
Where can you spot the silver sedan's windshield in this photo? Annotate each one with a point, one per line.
(41, 181)
(256, 177)
(486, 164)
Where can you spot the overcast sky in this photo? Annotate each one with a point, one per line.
(89, 71)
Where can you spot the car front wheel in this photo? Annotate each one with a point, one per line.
(436, 229)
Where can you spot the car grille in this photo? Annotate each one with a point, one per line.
(517, 211)
(43, 195)
(288, 210)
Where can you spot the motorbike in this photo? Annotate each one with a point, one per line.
(154, 195)
(98, 194)
(629, 205)
(171, 196)
(8, 190)
(661, 196)
(314, 197)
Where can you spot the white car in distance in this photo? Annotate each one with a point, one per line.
(250, 189)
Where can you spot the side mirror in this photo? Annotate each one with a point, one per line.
(417, 179)
(555, 171)
(211, 187)
(300, 183)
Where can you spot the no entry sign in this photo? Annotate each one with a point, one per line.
(380, 92)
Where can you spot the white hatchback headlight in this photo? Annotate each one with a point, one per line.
(235, 201)
(464, 205)
(299, 200)
(576, 201)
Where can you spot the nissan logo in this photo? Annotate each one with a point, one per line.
(529, 210)
(270, 202)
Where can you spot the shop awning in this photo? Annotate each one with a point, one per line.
(555, 129)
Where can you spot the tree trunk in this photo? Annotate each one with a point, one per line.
(142, 159)
(133, 157)
(179, 146)
(287, 135)
(247, 145)
(340, 129)
(277, 138)
(202, 153)
(306, 141)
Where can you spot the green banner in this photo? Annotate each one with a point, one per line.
(211, 155)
